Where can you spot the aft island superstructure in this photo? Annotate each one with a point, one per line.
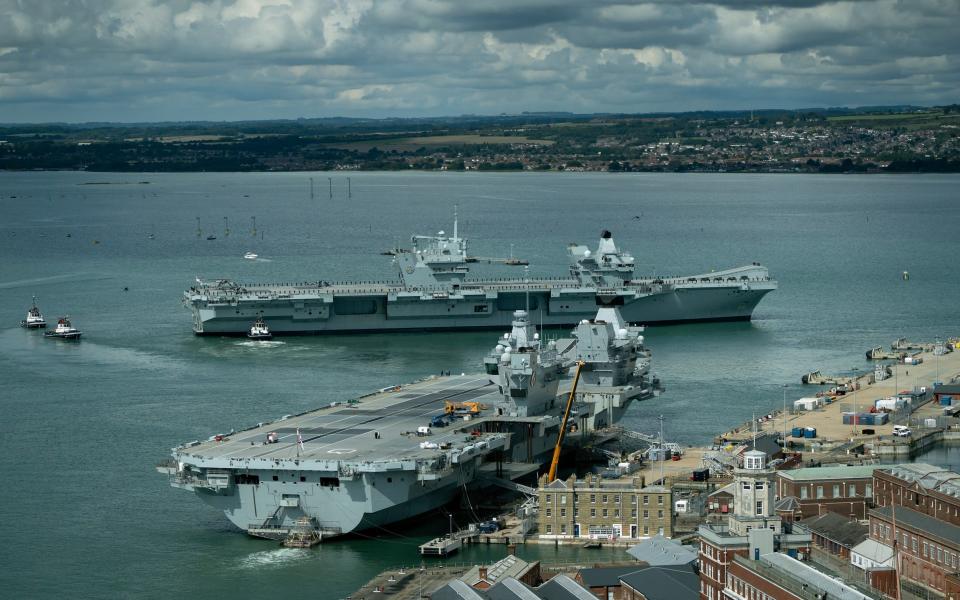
(409, 449)
(433, 292)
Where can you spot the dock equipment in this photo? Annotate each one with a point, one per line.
(563, 426)
(463, 408)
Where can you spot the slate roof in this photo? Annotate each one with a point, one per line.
(929, 477)
(837, 528)
(665, 583)
(933, 528)
(560, 587)
(605, 576)
(790, 503)
(509, 566)
(659, 551)
(839, 472)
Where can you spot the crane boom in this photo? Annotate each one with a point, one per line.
(563, 426)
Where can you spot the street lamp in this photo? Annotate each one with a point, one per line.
(784, 416)
(856, 415)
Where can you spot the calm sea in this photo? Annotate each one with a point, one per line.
(81, 425)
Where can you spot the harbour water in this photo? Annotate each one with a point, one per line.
(84, 423)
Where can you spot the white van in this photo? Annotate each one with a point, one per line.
(901, 431)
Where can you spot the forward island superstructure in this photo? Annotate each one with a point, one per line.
(434, 293)
(409, 449)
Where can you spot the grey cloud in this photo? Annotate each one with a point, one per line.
(188, 59)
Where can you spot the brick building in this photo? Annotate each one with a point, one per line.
(928, 549)
(753, 528)
(847, 490)
(598, 508)
(834, 534)
(931, 490)
(776, 576)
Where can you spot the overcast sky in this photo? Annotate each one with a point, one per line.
(152, 60)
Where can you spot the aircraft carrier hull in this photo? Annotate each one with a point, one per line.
(313, 313)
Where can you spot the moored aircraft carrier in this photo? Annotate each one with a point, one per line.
(433, 293)
(406, 450)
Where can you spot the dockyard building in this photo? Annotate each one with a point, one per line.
(776, 576)
(928, 489)
(753, 528)
(847, 490)
(928, 548)
(603, 509)
(833, 534)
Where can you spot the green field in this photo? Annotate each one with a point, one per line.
(410, 144)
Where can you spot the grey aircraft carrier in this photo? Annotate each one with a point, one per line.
(433, 292)
(406, 450)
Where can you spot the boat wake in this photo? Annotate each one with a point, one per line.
(271, 559)
(51, 279)
(259, 343)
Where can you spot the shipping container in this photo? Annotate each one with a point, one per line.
(810, 432)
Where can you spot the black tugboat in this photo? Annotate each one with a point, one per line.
(64, 330)
(34, 319)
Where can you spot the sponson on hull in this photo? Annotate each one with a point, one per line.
(408, 449)
(433, 292)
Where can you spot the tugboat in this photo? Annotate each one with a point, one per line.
(250, 256)
(34, 319)
(259, 330)
(64, 330)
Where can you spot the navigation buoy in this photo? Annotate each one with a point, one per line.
(906, 275)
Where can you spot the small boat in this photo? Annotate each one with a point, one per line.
(259, 330)
(250, 256)
(593, 545)
(64, 330)
(34, 319)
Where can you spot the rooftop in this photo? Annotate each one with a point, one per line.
(665, 582)
(839, 472)
(802, 579)
(660, 551)
(873, 550)
(929, 526)
(837, 528)
(560, 587)
(509, 566)
(929, 477)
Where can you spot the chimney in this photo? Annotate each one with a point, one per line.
(483, 573)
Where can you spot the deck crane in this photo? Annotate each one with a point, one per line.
(563, 426)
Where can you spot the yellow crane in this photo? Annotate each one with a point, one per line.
(563, 426)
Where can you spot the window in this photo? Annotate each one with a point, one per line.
(868, 490)
(836, 490)
(593, 512)
(576, 512)
(549, 528)
(758, 485)
(633, 512)
(633, 499)
(593, 498)
(549, 512)
(646, 514)
(746, 486)
(563, 528)
(646, 499)
(563, 512)
(616, 512)
(660, 514)
(660, 500)
(549, 498)
(563, 499)
(604, 499)
(819, 492)
(851, 491)
(803, 493)
(605, 512)
(925, 550)
(616, 499)
(646, 530)
(914, 544)
(760, 507)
